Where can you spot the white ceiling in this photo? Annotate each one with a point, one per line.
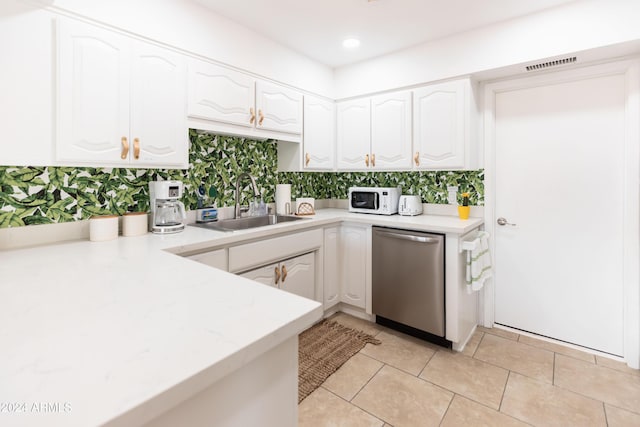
(316, 28)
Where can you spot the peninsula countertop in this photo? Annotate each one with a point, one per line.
(119, 331)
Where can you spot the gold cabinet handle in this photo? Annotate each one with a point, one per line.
(125, 148)
(136, 148)
(307, 159)
(373, 160)
(284, 273)
(261, 114)
(416, 158)
(253, 115)
(366, 160)
(277, 275)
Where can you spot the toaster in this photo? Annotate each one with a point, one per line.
(410, 205)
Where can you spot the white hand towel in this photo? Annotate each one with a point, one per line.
(479, 263)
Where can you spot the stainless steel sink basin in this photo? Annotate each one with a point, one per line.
(246, 223)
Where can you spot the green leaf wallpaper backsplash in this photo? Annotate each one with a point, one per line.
(44, 195)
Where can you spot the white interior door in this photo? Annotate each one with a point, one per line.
(560, 180)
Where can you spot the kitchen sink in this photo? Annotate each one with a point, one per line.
(246, 223)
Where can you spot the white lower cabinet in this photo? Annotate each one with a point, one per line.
(331, 271)
(288, 262)
(295, 275)
(355, 242)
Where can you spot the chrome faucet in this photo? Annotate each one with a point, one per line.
(256, 193)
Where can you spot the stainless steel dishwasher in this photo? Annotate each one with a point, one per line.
(408, 282)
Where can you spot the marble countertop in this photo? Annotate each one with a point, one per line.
(119, 331)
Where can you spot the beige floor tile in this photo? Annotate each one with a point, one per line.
(370, 328)
(558, 348)
(618, 366)
(352, 376)
(515, 356)
(464, 412)
(469, 377)
(499, 332)
(610, 386)
(617, 417)
(401, 399)
(399, 351)
(472, 344)
(543, 404)
(322, 408)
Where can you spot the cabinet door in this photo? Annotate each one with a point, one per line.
(356, 264)
(353, 134)
(220, 94)
(319, 134)
(439, 122)
(278, 109)
(331, 274)
(265, 275)
(92, 93)
(298, 276)
(217, 259)
(391, 131)
(159, 134)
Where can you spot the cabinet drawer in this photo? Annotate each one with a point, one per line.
(217, 258)
(244, 257)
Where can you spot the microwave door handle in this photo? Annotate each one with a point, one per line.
(376, 202)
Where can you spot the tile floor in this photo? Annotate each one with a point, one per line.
(500, 379)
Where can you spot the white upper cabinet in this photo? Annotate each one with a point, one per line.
(319, 134)
(375, 133)
(278, 109)
(220, 94)
(391, 131)
(158, 113)
(441, 128)
(231, 102)
(92, 94)
(354, 134)
(120, 101)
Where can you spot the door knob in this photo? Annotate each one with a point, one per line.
(503, 221)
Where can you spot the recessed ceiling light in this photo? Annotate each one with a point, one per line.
(351, 43)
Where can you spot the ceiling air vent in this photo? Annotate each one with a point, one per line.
(555, 63)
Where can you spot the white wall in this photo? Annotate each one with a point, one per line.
(575, 27)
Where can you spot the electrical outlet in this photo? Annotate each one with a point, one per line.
(452, 198)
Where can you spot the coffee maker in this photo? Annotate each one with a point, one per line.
(167, 211)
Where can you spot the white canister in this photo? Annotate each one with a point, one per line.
(134, 224)
(103, 227)
(283, 199)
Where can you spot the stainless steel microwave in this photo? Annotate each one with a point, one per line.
(375, 200)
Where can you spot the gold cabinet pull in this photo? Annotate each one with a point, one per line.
(366, 160)
(416, 158)
(136, 148)
(261, 114)
(125, 148)
(373, 160)
(284, 273)
(307, 159)
(253, 115)
(277, 275)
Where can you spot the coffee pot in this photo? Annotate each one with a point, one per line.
(167, 212)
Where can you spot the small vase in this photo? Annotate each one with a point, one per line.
(463, 212)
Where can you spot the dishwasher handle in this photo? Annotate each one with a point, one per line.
(411, 237)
